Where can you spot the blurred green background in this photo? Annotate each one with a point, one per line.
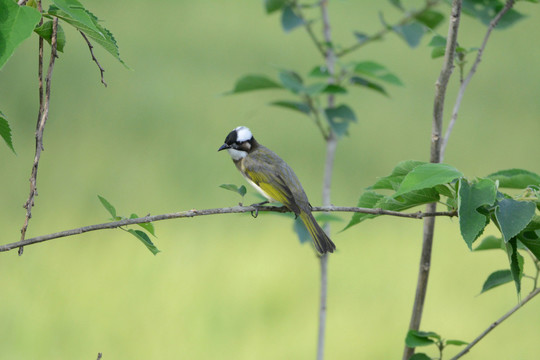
(231, 287)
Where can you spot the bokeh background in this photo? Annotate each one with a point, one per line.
(231, 287)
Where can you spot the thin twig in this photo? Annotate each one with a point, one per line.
(377, 36)
(435, 157)
(465, 82)
(42, 119)
(497, 323)
(91, 48)
(309, 29)
(193, 213)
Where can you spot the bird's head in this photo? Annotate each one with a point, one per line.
(239, 143)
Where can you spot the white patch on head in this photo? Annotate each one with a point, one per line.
(237, 154)
(243, 134)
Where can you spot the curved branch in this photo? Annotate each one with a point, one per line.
(194, 212)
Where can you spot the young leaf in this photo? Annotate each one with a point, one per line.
(5, 131)
(45, 31)
(16, 25)
(339, 118)
(427, 176)
(253, 82)
(456, 342)
(516, 263)
(420, 338)
(394, 180)
(513, 216)
(291, 80)
(497, 278)
(231, 187)
(378, 71)
(360, 81)
(397, 3)
(146, 226)
(489, 243)
(107, 205)
(412, 33)
(141, 235)
(273, 5)
(293, 105)
(289, 19)
(515, 178)
(320, 71)
(367, 200)
(430, 18)
(470, 198)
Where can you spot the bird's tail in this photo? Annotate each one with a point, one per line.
(322, 242)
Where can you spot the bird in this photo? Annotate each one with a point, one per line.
(275, 180)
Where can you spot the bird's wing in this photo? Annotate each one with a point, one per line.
(267, 174)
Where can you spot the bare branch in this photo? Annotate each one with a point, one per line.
(465, 82)
(435, 157)
(91, 48)
(497, 323)
(42, 119)
(193, 213)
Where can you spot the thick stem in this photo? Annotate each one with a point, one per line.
(435, 157)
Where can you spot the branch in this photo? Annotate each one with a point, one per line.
(193, 213)
(435, 157)
(405, 20)
(42, 119)
(497, 323)
(91, 48)
(465, 83)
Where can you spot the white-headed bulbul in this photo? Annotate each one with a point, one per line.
(275, 180)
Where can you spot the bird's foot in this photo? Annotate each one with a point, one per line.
(257, 206)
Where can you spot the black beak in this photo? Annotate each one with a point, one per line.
(223, 147)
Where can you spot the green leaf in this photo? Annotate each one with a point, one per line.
(412, 33)
(146, 226)
(254, 82)
(361, 37)
(320, 71)
(5, 131)
(141, 235)
(515, 178)
(292, 81)
(397, 3)
(289, 19)
(472, 196)
(74, 13)
(273, 5)
(456, 342)
(107, 205)
(237, 189)
(333, 89)
(394, 180)
(339, 118)
(360, 81)
(438, 43)
(45, 31)
(430, 18)
(293, 105)
(420, 338)
(497, 278)
(16, 25)
(367, 200)
(532, 243)
(516, 263)
(427, 176)
(378, 71)
(489, 243)
(419, 356)
(486, 10)
(513, 216)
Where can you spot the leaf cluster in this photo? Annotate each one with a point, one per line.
(416, 339)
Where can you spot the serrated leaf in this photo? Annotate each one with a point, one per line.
(289, 19)
(141, 235)
(241, 190)
(107, 205)
(293, 105)
(16, 25)
(291, 80)
(45, 31)
(5, 132)
(339, 118)
(254, 82)
(472, 196)
(74, 13)
(490, 243)
(430, 18)
(513, 216)
(419, 338)
(427, 176)
(456, 342)
(378, 71)
(394, 180)
(497, 278)
(273, 5)
(516, 263)
(515, 178)
(412, 33)
(360, 81)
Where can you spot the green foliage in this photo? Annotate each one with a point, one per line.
(497, 278)
(290, 20)
(16, 25)
(45, 31)
(428, 176)
(515, 178)
(253, 82)
(140, 235)
(377, 71)
(241, 190)
(485, 11)
(416, 339)
(339, 118)
(5, 132)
